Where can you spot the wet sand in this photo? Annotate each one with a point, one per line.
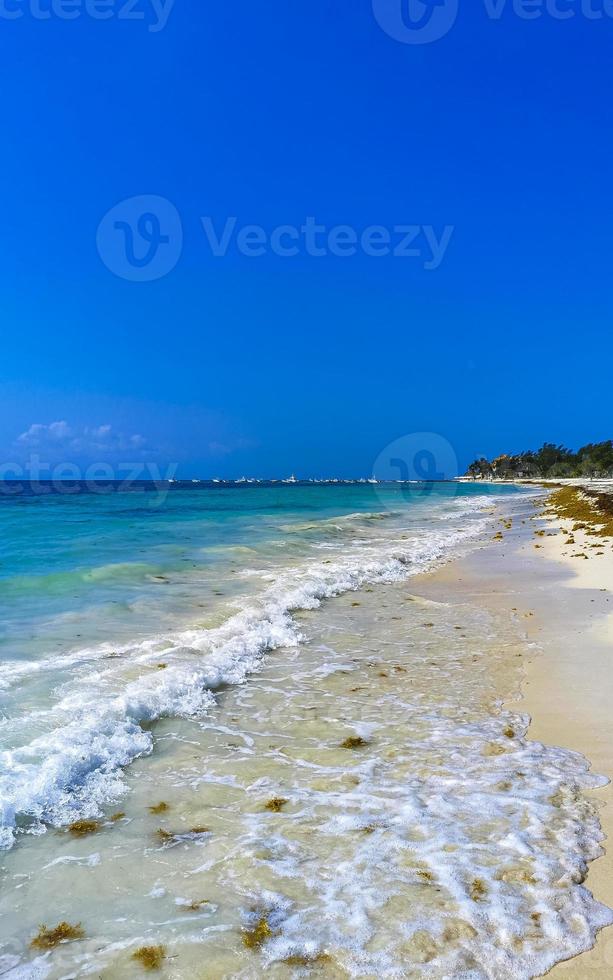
(282, 851)
(569, 692)
(565, 605)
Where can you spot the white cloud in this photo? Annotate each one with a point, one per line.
(56, 432)
(101, 439)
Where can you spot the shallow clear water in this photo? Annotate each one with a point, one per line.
(176, 650)
(121, 608)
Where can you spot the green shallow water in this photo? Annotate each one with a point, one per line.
(211, 649)
(80, 568)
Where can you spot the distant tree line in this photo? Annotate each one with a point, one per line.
(594, 461)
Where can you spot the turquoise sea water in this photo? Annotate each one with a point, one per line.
(97, 590)
(114, 565)
(175, 661)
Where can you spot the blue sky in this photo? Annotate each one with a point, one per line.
(271, 113)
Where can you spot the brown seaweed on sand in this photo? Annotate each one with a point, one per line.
(478, 890)
(258, 934)
(164, 836)
(590, 510)
(161, 807)
(315, 959)
(62, 933)
(150, 957)
(81, 828)
(276, 804)
(354, 742)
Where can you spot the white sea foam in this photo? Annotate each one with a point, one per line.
(457, 848)
(94, 727)
(11, 969)
(434, 841)
(449, 846)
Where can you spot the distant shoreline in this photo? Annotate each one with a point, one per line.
(567, 481)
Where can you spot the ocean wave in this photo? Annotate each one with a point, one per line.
(63, 581)
(97, 725)
(338, 523)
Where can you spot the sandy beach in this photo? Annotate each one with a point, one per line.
(306, 524)
(565, 603)
(568, 693)
(408, 778)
